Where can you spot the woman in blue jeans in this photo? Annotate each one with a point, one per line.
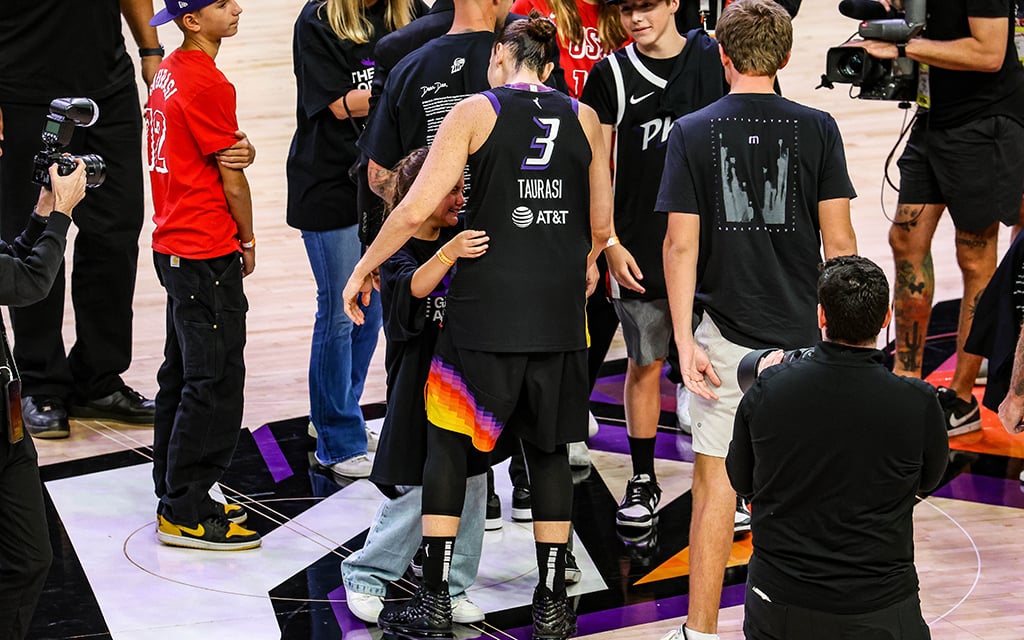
(332, 53)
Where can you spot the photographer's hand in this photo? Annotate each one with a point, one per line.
(65, 192)
(239, 155)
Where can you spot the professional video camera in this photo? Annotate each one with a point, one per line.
(749, 367)
(877, 79)
(66, 114)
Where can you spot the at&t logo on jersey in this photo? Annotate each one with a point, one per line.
(523, 217)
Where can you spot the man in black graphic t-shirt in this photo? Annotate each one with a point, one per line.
(964, 153)
(427, 83)
(754, 185)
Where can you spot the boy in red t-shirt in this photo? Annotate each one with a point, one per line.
(203, 246)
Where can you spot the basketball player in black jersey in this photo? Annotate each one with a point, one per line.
(512, 355)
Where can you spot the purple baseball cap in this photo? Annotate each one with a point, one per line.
(175, 8)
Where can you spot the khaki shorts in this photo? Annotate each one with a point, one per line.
(713, 419)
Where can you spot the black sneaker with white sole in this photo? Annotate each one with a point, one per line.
(522, 505)
(493, 520)
(573, 574)
(961, 417)
(638, 505)
(741, 521)
(214, 533)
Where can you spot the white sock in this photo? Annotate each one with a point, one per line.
(690, 634)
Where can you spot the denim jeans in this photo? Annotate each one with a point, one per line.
(341, 350)
(396, 533)
(199, 402)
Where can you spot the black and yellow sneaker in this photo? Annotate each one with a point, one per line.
(236, 513)
(214, 533)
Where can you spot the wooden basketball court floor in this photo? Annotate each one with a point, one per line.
(112, 579)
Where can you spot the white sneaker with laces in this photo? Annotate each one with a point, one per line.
(355, 467)
(364, 606)
(465, 611)
(372, 440)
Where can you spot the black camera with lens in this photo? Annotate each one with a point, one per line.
(749, 367)
(66, 114)
(877, 79)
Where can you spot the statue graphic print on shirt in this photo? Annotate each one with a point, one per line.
(757, 163)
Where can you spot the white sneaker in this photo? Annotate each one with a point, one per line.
(364, 606)
(371, 438)
(355, 467)
(683, 409)
(465, 611)
(592, 426)
(675, 634)
(579, 454)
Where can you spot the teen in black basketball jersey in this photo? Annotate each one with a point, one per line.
(638, 92)
(512, 355)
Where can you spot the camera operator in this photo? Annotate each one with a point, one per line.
(965, 153)
(28, 267)
(832, 514)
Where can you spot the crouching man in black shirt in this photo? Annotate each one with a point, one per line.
(832, 515)
(28, 267)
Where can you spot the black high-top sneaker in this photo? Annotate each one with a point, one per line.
(428, 614)
(553, 618)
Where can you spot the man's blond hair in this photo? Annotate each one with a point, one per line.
(757, 35)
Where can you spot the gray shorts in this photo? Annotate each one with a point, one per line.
(646, 328)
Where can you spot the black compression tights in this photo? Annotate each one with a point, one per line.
(450, 454)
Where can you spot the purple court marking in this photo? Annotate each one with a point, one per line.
(613, 384)
(351, 627)
(272, 454)
(984, 489)
(668, 446)
(640, 613)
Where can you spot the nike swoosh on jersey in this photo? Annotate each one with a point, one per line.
(636, 100)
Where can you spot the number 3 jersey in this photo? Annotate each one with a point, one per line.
(532, 197)
(190, 116)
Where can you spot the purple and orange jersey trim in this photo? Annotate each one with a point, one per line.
(452, 406)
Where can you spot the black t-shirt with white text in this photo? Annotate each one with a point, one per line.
(959, 97)
(420, 92)
(321, 196)
(411, 326)
(754, 168)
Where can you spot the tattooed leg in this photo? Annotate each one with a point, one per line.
(910, 238)
(976, 255)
